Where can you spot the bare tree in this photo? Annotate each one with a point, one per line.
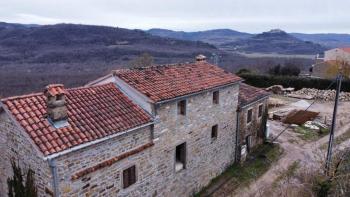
(144, 60)
(339, 66)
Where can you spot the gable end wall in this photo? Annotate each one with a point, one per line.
(14, 144)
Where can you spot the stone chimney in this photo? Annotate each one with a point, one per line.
(56, 104)
(201, 58)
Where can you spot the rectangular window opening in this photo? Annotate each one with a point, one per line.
(216, 97)
(249, 115)
(260, 111)
(180, 157)
(129, 176)
(181, 107)
(214, 132)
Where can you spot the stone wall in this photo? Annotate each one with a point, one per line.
(15, 144)
(102, 164)
(206, 158)
(252, 128)
(107, 181)
(337, 54)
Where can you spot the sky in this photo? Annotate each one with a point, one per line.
(253, 16)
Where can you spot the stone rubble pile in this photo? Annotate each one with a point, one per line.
(326, 95)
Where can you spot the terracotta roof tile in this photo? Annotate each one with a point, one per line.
(55, 89)
(248, 94)
(346, 49)
(85, 107)
(169, 81)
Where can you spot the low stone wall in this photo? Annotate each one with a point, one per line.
(326, 95)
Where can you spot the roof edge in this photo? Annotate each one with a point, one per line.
(253, 102)
(97, 141)
(42, 93)
(199, 92)
(90, 83)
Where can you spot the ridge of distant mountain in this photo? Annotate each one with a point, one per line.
(41, 43)
(328, 39)
(4, 25)
(274, 41)
(215, 36)
(222, 36)
(33, 56)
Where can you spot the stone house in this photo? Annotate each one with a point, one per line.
(155, 131)
(333, 61)
(337, 54)
(252, 111)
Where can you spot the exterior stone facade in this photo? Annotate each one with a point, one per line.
(206, 133)
(155, 166)
(16, 145)
(107, 181)
(205, 157)
(254, 128)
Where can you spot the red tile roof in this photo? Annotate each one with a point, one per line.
(346, 49)
(55, 89)
(169, 81)
(249, 94)
(93, 113)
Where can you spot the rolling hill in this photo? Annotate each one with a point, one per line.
(223, 36)
(216, 36)
(32, 56)
(274, 41)
(67, 43)
(330, 39)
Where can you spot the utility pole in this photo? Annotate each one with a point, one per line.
(331, 134)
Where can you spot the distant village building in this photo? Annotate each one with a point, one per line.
(337, 54)
(155, 131)
(329, 64)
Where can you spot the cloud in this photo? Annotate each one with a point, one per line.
(191, 15)
(32, 18)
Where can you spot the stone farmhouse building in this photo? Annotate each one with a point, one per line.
(329, 65)
(154, 131)
(252, 112)
(337, 53)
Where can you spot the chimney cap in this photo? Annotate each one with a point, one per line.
(200, 58)
(55, 89)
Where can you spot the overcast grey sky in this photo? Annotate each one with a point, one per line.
(309, 16)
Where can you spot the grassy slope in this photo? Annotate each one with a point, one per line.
(240, 175)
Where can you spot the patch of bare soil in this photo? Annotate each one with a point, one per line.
(306, 153)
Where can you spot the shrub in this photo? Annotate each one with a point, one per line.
(286, 70)
(17, 187)
(264, 81)
(243, 71)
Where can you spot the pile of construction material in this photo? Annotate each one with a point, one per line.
(275, 102)
(278, 89)
(326, 95)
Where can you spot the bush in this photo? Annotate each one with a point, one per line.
(264, 81)
(286, 70)
(243, 71)
(20, 186)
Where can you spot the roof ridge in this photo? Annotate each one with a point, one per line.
(42, 93)
(22, 96)
(152, 66)
(90, 87)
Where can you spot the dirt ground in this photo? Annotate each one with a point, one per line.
(309, 154)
